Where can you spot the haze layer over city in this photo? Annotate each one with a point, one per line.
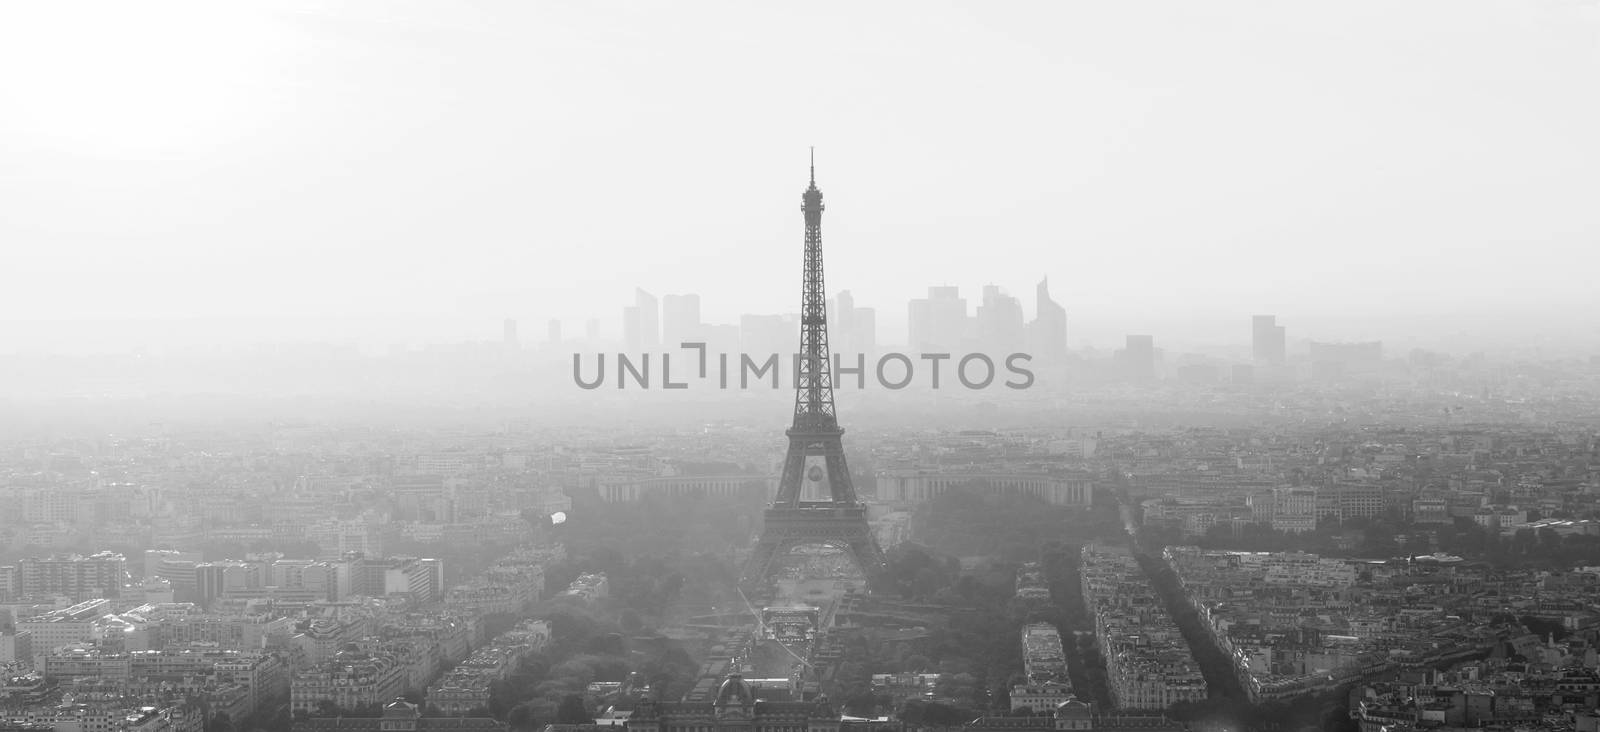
(412, 172)
(731, 367)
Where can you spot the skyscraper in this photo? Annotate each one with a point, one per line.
(763, 334)
(864, 330)
(939, 322)
(509, 333)
(855, 329)
(680, 319)
(1138, 358)
(840, 312)
(646, 321)
(999, 322)
(632, 339)
(1267, 339)
(1047, 334)
(553, 331)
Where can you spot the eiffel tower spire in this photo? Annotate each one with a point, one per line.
(813, 399)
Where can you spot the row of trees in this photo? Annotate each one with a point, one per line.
(1069, 613)
(1227, 706)
(1324, 712)
(1544, 548)
(662, 525)
(1222, 681)
(1009, 527)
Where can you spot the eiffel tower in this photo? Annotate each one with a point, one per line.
(816, 454)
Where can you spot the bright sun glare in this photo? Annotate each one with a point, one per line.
(137, 80)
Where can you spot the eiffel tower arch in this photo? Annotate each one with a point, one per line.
(816, 451)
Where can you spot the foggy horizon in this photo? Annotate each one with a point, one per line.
(1501, 332)
(1366, 174)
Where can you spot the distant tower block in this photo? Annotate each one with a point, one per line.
(815, 464)
(1267, 339)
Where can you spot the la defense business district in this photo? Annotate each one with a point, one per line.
(1322, 536)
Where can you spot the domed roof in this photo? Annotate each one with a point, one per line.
(735, 690)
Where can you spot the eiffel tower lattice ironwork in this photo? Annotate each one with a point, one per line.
(814, 441)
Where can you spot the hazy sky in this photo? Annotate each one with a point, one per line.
(1325, 161)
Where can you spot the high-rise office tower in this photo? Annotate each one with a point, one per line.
(553, 331)
(1267, 339)
(1000, 322)
(641, 322)
(509, 333)
(939, 322)
(864, 330)
(649, 318)
(720, 338)
(1139, 358)
(840, 311)
(680, 319)
(760, 335)
(855, 329)
(632, 339)
(1047, 334)
(919, 323)
(591, 329)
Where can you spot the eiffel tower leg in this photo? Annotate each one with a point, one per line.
(794, 465)
(869, 557)
(758, 568)
(839, 481)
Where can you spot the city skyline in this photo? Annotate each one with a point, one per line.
(1172, 174)
(1461, 332)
